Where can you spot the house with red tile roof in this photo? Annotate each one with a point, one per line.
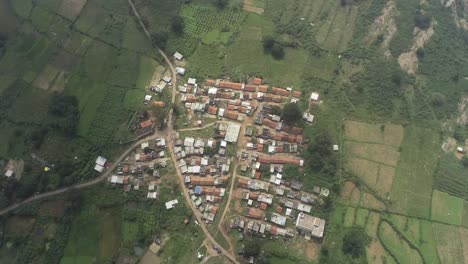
(257, 81)
(210, 82)
(279, 91)
(263, 88)
(250, 88)
(297, 94)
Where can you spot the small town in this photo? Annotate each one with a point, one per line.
(240, 163)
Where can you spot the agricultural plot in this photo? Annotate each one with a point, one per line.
(412, 187)
(373, 153)
(30, 107)
(449, 245)
(246, 55)
(452, 177)
(145, 72)
(403, 252)
(185, 44)
(200, 20)
(71, 8)
(22, 7)
(446, 208)
(134, 39)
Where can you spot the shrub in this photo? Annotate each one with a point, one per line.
(177, 25)
(277, 51)
(420, 53)
(355, 243)
(268, 42)
(422, 21)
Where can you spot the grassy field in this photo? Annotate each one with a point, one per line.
(412, 187)
(397, 246)
(446, 208)
(246, 54)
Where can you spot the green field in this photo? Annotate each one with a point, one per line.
(446, 208)
(412, 187)
(397, 246)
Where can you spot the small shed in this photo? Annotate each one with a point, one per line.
(178, 56)
(314, 96)
(180, 70)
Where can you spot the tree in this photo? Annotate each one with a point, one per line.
(355, 243)
(160, 38)
(438, 99)
(177, 24)
(252, 248)
(222, 3)
(420, 53)
(65, 110)
(277, 51)
(291, 113)
(320, 156)
(422, 21)
(268, 42)
(465, 162)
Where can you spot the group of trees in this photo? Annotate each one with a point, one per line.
(320, 155)
(65, 113)
(270, 45)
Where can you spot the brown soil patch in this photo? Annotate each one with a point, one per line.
(449, 145)
(347, 190)
(409, 60)
(369, 201)
(376, 253)
(150, 258)
(158, 73)
(312, 250)
(385, 180)
(355, 196)
(52, 208)
(71, 8)
(250, 7)
(60, 82)
(366, 170)
(17, 225)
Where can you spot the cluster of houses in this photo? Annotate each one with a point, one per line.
(206, 176)
(291, 203)
(141, 167)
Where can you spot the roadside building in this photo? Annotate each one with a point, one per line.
(232, 132)
(278, 219)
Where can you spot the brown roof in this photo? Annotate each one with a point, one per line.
(263, 206)
(159, 103)
(234, 102)
(210, 82)
(230, 85)
(232, 107)
(202, 181)
(257, 81)
(297, 94)
(278, 160)
(267, 122)
(147, 123)
(231, 115)
(276, 99)
(243, 183)
(260, 147)
(263, 88)
(224, 95)
(212, 110)
(279, 91)
(250, 88)
(254, 213)
(254, 195)
(279, 149)
(214, 209)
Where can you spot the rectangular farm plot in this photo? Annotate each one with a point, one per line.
(361, 217)
(412, 186)
(388, 134)
(372, 224)
(375, 152)
(46, 77)
(377, 176)
(446, 208)
(449, 244)
(349, 217)
(428, 246)
(464, 240)
(369, 201)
